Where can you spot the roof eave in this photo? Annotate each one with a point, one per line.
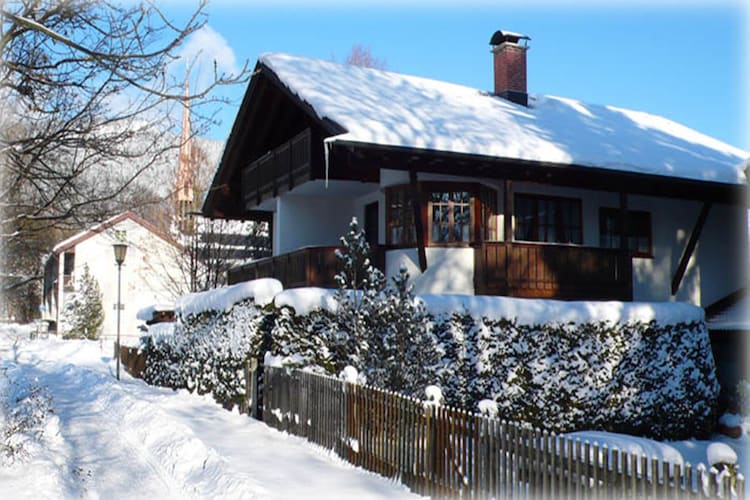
(571, 175)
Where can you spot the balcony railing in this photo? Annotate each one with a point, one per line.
(278, 171)
(514, 270)
(552, 271)
(309, 266)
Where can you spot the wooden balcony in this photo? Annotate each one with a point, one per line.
(309, 266)
(278, 171)
(552, 271)
(514, 270)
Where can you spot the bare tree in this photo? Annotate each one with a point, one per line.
(85, 91)
(361, 55)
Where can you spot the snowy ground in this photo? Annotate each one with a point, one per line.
(109, 439)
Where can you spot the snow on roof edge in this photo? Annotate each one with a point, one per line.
(555, 130)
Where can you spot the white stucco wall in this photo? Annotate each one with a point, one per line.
(301, 221)
(449, 270)
(150, 274)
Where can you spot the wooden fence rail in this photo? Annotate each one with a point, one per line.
(445, 452)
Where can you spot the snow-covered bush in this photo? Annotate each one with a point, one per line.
(25, 408)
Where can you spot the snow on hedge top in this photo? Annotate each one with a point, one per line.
(261, 291)
(306, 300)
(147, 313)
(537, 311)
(524, 311)
(392, 109)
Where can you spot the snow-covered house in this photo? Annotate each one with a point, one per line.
(481, 192)
(150, 274)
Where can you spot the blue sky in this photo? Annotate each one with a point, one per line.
(687, 61)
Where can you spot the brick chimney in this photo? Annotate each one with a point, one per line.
(510, 66)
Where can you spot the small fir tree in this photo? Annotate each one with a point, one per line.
(410, 355)
(359, 286)
(83, 313)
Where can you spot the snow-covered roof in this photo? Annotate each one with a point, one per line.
(77, 238)
(390, 109)
(736, 317)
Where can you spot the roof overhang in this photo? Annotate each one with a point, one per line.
(345, 154)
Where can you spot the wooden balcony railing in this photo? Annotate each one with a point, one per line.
(309, 266)
(279, 170)
(552, 271)
(514, 270)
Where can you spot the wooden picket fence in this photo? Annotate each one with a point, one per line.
(446, 452)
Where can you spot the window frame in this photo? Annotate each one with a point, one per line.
(558, 222)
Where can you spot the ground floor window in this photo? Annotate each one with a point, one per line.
(637, 230)
(548, 219)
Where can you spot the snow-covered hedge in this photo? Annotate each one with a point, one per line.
(214, 334)
(635, 368)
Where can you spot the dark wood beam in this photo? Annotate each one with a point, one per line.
(418, 226)
(690, 248)
(623, 221)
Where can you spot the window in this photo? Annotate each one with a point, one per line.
(400, 217)
(637, 230)
(489, 213)
(69, 259)
(452, 213)
(450, 217)
(548, 219)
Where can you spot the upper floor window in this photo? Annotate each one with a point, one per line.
(637, 230)
(400, 217)
(452, 213)
(450, 216)
(548, 219)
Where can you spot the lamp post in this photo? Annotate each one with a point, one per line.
(120, 250)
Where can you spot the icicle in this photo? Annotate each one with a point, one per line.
(325, 151)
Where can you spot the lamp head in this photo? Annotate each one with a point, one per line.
(120, 250)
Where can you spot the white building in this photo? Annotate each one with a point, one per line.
(151, 272)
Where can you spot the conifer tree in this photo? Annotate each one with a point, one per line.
(83, 312)
(359, 286)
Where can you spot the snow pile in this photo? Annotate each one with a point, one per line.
(398, 110)
(147, 313)
(262, 292)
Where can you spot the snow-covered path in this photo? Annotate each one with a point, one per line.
(110, 439)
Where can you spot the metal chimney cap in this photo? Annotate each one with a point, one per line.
(500, 37)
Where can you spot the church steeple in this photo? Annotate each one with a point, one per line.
(185, 188)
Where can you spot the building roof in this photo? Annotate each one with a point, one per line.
(732, 313)
(76, 239)
(390, 109)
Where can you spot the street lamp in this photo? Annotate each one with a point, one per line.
(120, 250)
